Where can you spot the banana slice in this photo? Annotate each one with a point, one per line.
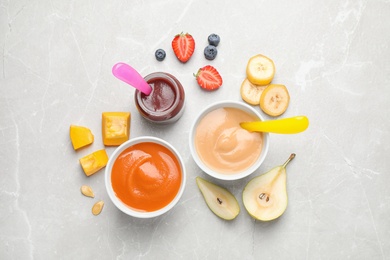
(250, 92)
(274, 100)
(260, 70)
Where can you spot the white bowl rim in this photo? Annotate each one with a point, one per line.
(119, 204)
(198, 161)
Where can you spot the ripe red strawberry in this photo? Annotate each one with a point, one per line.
(208, 78)
(183, 46)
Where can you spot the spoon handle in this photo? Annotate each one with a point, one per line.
(128, 74)
(292, 125)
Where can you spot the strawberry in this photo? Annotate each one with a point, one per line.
(183, 46)
(208, 78)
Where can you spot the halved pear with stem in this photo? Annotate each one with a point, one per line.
(265, 196)
(220, 201)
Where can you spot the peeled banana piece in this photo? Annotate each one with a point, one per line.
(274, 100)
(260, 70)
(250, 92)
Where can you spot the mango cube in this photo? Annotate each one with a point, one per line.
(80, 136)
(93, 162)
(115, 128)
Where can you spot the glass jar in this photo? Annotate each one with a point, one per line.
(165, 104)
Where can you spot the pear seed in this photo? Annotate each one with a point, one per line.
(87, 191)
(97, 207)
(263, 195)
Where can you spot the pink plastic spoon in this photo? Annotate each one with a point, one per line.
(130, 76)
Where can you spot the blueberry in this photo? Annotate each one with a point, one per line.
(214, 39)
(210, 52)
(160, 54)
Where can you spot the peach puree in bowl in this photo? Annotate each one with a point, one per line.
(221, 147)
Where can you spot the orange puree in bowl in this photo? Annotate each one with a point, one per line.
(146, 176)
(223, 145)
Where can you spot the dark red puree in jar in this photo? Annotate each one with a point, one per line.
(166, 101)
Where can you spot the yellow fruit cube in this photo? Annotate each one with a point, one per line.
(115, 128)
(93, 162)
(80, 136)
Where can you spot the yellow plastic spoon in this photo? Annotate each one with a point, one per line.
(292, 125)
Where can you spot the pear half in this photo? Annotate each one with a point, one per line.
(220, 201)
(265, 196)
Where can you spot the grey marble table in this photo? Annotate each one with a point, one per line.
(55, 70)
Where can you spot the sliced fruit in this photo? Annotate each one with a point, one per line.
(220, 201)
(115, 128)
(183, 46)
(274, 100)
(250, 92)
(93, 162)
(208, 78)
(260, 70)
(265, 196)
(80, 136)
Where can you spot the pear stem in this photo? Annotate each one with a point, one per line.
(292, 156)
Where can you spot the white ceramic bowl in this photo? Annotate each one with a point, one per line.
(117, 202)
(219, 175)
